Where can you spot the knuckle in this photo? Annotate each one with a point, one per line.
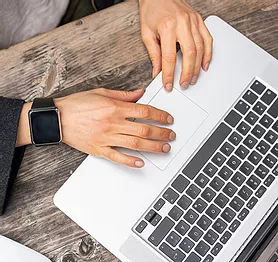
(162, 117)
(165, 134)
(187, 75)
(154, 57)
(169, 58)
(200, 46)
(168, 23)
(133, 143)
(191, 52)
(157, 147)
(144, 131)
(145, 111)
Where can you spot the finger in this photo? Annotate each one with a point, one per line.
(141, 144)
(127, 96)
(168, 49)
(189, 52)
(208, 44)
(146, 112)
(149, 131)
(151, 42)
(117, 157)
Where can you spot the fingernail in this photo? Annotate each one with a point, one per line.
(170, 119)
(207, 66)
(169, 87)
(185, 85)
(139, 163)
(166, 148)
(172, 136)
(194, 80)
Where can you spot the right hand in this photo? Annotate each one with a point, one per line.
(96, 121)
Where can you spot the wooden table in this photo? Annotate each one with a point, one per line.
(102, 50)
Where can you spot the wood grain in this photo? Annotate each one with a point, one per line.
(101, 50)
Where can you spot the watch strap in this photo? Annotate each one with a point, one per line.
(43, 103)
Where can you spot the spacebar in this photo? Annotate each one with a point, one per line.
(207, 150)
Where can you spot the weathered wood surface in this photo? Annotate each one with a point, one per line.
(102, 50)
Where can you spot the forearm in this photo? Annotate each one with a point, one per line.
(23, 135)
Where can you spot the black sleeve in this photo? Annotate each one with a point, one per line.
(10, 156)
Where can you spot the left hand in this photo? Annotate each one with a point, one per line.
(163, 24)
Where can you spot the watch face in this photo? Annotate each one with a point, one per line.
(45, 127)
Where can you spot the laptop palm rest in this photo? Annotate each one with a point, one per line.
(188, 118)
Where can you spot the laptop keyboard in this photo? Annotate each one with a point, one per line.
(206, 203)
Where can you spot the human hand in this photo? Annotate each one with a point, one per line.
(96, 121)
(163, 24)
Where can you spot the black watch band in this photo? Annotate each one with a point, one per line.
(43, 103)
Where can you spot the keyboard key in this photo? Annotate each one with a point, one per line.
(216, 249)
(255, 158)
(170, 195)
(195, 234)
(184, 202)
(228, 214)
(219, 226)
(221, 200)
(193, 258)
(156, 220)
(258, 131)
(243, 214)
(273, 110)
(268, 97)
(225, 173)
(258, 87)
(266, 121)
(217, 183)
(250, 141)
(208, 194)
(227, 149)
(193, 191)
(261, 171)
(208, 258)
(270, 161)
(238, 179)
(234, 226)
(204, 222)
(182, 227)
(207, 150)
(212, 211)
(210, 169)
(246, 168)
(211, 237)
(259, 108)
(271, 137)
(173, 239)
(230, 189)
(274, 258)
(260, 192)
(252, 202)
(159, 204)
(218, 159)
(275, 171)
(200, 205)
(242, 107)
(251, 118)
(225, 238)
(274, 150)
(233, 118)
(233, 162)
(242, 152)
(245, 193)
(180, 183)
(269, 180)
(201, 180)
(250, 97)
(243, 128)
(235, 138)
(275, 126)
(202, 248)
(263, 147)
(161, 231)
(175, 213)
(236, 204)
(174, 255)
(151, 214)
(186, 245)
(191, 216)
(141, 226)
(253, 182)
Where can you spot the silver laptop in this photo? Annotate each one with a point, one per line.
(208, 197)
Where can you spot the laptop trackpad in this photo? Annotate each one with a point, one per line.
(188, 118)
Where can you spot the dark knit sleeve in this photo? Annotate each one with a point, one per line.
(10, 156)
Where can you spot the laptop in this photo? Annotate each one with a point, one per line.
(210, 197)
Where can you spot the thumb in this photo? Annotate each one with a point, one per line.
(127, 96)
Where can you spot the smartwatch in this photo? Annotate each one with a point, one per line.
(44, 120)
